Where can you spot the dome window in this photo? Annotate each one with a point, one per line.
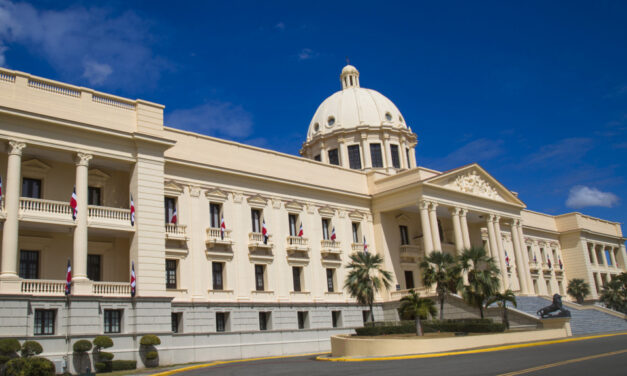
(331, 121)
(316, 127)
(400, 118)
(388, 116)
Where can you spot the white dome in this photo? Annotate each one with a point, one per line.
(352, 107)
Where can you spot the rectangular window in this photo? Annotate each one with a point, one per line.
(330, 279)
(214, 213)
(336, 317)
(29, 264)
(293, 219)
(170, 274)
(396, 161)
(170, 208)
(334, 157)
(375, 155)
(31, 188)
(354, 157)
(217, 270)
(264, 320)
(408, 159)
(255, 215)
(296, 275)
(44, 321)
(93, 267)
(365, 315)
(112, 320)
(221, 321)
(94, 196)
(409, 279)
(404, 235)
(325, 229)
(302, 320)
(608, 257)
(317, 158)
(176, 321)
(259, 277)
(355, 226)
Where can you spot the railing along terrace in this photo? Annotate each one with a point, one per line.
(104, 212)
(7, 77)
(327, 243)
(113, 102)
(54, 88)
(297, 241)
(173, 229)
(46, 206)
(112, 288)
(43, 287)
(357, 246)
(257, 237)
(215, 233)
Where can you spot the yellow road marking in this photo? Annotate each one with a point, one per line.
(557, 364)
(220, 362)
(475, 351)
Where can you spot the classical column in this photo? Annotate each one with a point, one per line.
(343, 151)
(520, 261)
(501, 251)
(494, 248)
(79, 266)
(593, 251)
(386, 151)
(426, 227)
(403, 157)
(459, 242)
(523, 250)
(412, 155)
(435, 232)
(599, 282)
(603, 256)
(366, 151)
(11, 206)
(464, 223)
(613, 258)
(324, 158)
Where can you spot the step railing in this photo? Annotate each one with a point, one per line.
(112, 288)
(43, 287)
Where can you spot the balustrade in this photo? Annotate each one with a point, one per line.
(43, 287)
(112, 288)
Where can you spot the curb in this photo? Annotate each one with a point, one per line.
(475, 351)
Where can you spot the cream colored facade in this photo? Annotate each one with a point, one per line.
(58, 136)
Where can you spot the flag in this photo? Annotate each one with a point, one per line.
(559, 259)
(68, 278)
(548, 259)
(0, 188)
(333, 234)
(506, 259)
(300, 232)
(264, 232)
(173, 217)
(73, 204)
(365, 245)
(132, 212)
(222, 227)
(133, 283)
(535, 260)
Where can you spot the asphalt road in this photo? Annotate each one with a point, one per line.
(587, 357)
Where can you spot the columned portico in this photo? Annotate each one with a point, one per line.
(459, 241)
(11, 223)
(426, 226)
(501, 252)
(521, 264)
(79, 274)
(494, 248)
(365, 151)
(464, 224)
(435, 233)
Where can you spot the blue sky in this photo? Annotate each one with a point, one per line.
(535, 92)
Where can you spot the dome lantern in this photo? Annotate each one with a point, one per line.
(349, 77)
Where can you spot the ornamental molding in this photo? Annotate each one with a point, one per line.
(34, 168)
(97, 178)
(474, 184)
(356, 216)
(326, 212)
(257, 201)
(217, 195)
(172, 189)
(294, 206)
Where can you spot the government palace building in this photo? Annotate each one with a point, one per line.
(222, 292)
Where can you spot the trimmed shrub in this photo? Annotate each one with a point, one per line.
(16, 367)
(38, 366)
(122, 365)
(150, 340)
(102, 367)
(151, 355)
(105, 356)
(9, 346)
(4, 359)
(103, 342)
(31, 348)
(82, 346)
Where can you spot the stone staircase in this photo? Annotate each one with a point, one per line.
(583, 321)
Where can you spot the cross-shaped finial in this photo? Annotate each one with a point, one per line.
(348, 62)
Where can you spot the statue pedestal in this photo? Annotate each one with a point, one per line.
(558, 323)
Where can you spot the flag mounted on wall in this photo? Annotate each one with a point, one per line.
(174, 218)
(222, 227)
(133, 282)
(73, 204)
(68, 278)
(365, 244)
(264, 232)
(300, 232)
(132, 212)
(333, 237)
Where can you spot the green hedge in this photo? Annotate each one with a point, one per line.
(122, 365)
(31, 366)
(403, 327)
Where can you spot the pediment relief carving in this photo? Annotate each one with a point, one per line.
(474, 184)
(257, 201)
(217, 195)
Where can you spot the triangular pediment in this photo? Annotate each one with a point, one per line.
(257, 201)
(293, 206)
(171, 188)
(402, 219)
(474, 180)
(356, 216)
(97, 177)
(326, 211)
(35, 167)
(217, 194)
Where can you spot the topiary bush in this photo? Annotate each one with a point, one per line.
(82, 346)
(9, 346)
(38, 366)
(31, 348)
(151, 355)
(15, 367)
(102, 367)
(150, 340)
(121, 365)
(102, 356)
(103, 342)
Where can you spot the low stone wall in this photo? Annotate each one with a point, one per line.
(352, 346)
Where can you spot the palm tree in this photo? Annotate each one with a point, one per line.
(483, 277)
(578, 289)
(614, 293)
(442, 270)
(413, 306)
(502, 300)
(366, 277)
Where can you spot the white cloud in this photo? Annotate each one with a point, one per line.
(83, 42)
(214, 118)
(307, 54)
(581, 196)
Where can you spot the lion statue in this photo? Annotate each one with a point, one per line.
(555, 306)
